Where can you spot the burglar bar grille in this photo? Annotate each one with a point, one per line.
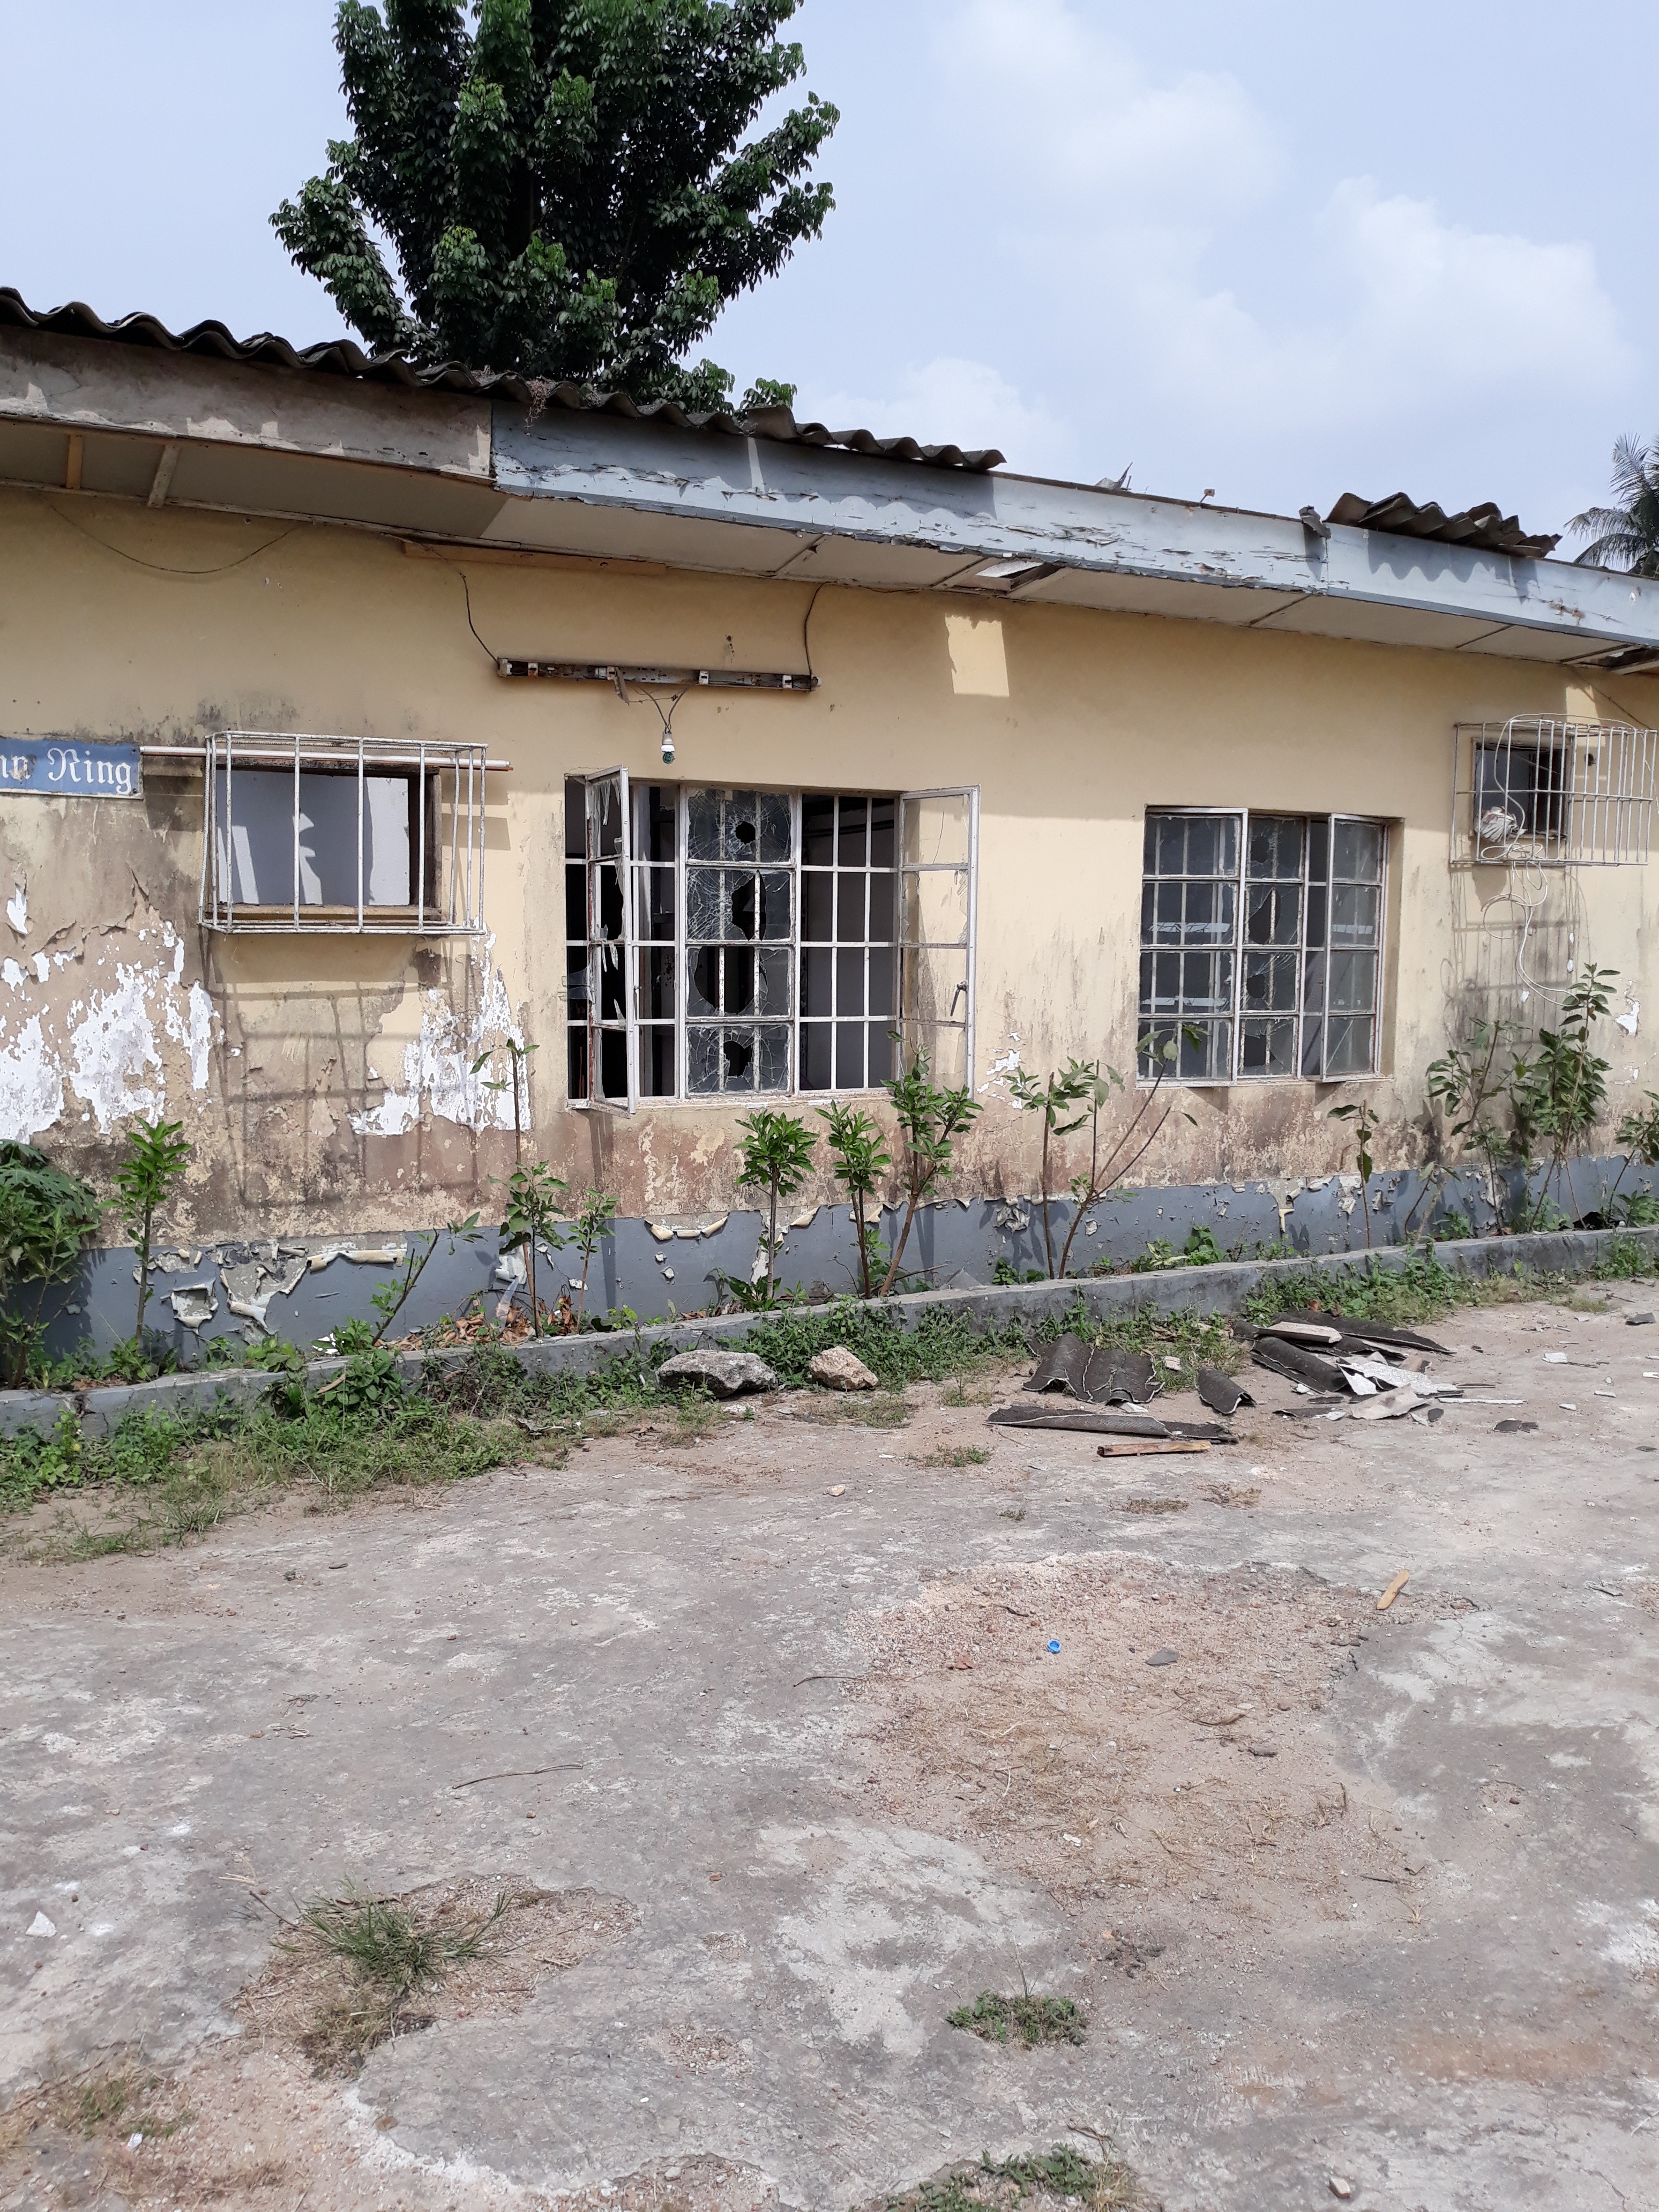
(342, 837)
(1548, 794)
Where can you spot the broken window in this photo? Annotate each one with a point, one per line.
(342, 833)
(1261, 942)
(759, 935)
(1551, 794)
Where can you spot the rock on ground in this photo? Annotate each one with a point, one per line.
(838, 1369)
(727, 1374)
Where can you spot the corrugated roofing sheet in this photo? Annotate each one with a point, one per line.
(342, 358)
(1486, 526)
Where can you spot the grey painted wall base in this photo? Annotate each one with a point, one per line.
(302, 1288)
(1023, 1306)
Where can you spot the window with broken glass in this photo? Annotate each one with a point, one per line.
(731, 943)
(1261, 945)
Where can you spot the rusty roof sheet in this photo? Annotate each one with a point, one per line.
(1486, 527)
(341, 357)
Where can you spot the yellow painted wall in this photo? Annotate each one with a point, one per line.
(119, 622)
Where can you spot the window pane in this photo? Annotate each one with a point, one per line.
(772, 1072)
(774, 823)
(703, 904)
(575, 820)
(853, 849)
(608, 901)
(1353, 982)
(817, 898)
(702, 993)
(815, 982)
(657, 982)
(739, 904)
(818, 832)
(702, 825)
(1356, 910)
(1166, 839)
(575, 901)
(881, 982)
(772, 979)
(1275, 847)
(814, 1044)
(1357, 851)
(884, 891)
(702, 1058)
(576, 1073)
(1352, 1047)
(849, 1055)
(881, 1052)
(777, 918)
(605, 821)
(849, 982)
(613, 1064)
(657, 1063)
(739, 982)
(849, 910)
(656, 809)
(1268, 1047)
(883, 851)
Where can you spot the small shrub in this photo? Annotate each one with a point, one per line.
(1024, 2020)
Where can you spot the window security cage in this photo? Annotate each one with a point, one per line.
(1549, 794)
(338, 836)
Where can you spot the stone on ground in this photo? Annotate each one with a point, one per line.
(727, 1374)
(838, 1369)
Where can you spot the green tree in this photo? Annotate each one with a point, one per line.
(860, 1164)
(533, 1213)
(590, 1223)
(158, 1154)
(931, 1117)
(566, 186)
(1625, 536)
(775, 1156)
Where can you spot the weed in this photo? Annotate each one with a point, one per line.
(393, 1957)
(1061, 2175)
(953, 1455)
(1027, 2020)
(880, 1409)
(1153, 1506)
(943, 1346)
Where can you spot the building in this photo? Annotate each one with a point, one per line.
(357, 721)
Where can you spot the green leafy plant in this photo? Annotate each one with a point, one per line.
(390, 1299)
(1563, 1086)
(367, 1388)
(1024, 2020)
(349, 1336)
(157, 1159)
(591, 1224)
(1364, 1118)
(860, 1164)
(775, 1156)
(566, 187)
(518, 1061)
(534, 1209)
(931, 1117)
(1464, 1087)
(47, 1218)
(1638, 1138)
(1057, 1098)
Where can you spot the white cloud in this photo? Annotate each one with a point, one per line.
(965, 403)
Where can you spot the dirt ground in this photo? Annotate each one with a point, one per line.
(779, 1746)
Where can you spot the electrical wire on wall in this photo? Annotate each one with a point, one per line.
(666, 719)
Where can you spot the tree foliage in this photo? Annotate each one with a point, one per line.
(566, 184)
(1625, 536)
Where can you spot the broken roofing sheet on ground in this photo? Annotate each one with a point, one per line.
(1101, 1376)
(1332, 1360)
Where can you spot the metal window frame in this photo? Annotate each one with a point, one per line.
(835, 946)
(1237, 1074)
(684, 1094)
(459, 909)
(598, 1028)
(969, 1022)
(637, 869)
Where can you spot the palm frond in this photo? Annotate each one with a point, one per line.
(1624, 537)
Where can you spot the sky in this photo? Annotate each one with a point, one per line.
(1275, 254)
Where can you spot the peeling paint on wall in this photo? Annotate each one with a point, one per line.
(111, 1059)
(437, 1068)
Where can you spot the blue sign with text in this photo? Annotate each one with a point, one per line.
(63, 767)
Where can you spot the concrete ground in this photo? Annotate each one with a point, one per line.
(1349, 1896)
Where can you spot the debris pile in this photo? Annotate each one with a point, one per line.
(1113, 1389)
(1334, 1361)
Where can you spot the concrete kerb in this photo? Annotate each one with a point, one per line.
(1017, 1306)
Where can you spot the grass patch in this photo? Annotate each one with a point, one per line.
(953, 1455)
(1061, 2176)
(1155, 1504)
(1024, 2020)
(394, 1956)
(1422, 1290)
(944, 1348)
(880, 1409)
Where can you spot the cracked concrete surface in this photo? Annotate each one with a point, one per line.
(1459, 2012)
